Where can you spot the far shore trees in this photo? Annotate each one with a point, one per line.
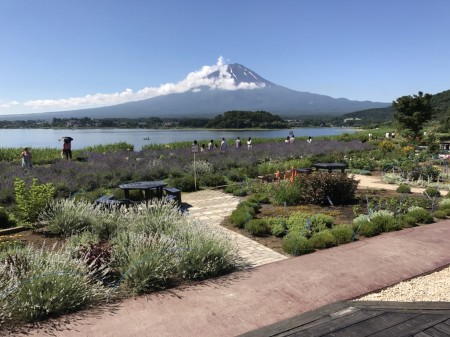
(247, 120)
(411, 112)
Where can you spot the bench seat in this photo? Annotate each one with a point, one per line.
(173, 193)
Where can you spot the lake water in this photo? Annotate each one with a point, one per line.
(139, 137)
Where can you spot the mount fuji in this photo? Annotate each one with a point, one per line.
(228, 87)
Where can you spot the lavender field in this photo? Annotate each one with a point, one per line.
(102, 172)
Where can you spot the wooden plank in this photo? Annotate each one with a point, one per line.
(436, 332)
(413, 326)
(421, 334)
(420, 307)
(444, 326)
(345, 319)
(373, 325)
(333, 324)
(298, 320)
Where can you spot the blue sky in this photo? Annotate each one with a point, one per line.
(62, 55)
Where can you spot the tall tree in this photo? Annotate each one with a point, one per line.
(411, 112)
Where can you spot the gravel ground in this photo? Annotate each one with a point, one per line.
(433, 287)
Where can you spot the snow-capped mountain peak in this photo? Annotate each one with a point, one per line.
(241, 76)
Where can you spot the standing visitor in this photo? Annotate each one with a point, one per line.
(223, 145)
(249, 143)
(67, 147)
(26, 158)
(292, 139)
(287, 140)
(211, 145)
(238, 142)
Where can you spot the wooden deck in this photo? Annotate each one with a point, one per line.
(355, 318)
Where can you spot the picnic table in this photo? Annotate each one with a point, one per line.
(330, 166)
(149, 189)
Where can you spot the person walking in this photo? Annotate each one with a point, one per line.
(249, 143)
(211, 145)
(223, 145)
(26, 159)
(237, 142)
(67, 147)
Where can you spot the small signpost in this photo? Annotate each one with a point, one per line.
(194, 150)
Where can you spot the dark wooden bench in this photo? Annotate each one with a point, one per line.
(109, 201)
(304, 170)
(173, 193)
(330, 166)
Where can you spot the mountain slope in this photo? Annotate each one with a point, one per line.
(230, 87)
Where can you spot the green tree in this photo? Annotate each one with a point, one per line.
(411, 112)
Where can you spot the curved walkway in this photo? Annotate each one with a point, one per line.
(212, 207)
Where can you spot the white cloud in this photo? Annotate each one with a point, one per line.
(192, 81)
(8, 104)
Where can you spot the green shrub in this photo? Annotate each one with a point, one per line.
(66, 217)
(278, 226)
(241, 215)
(145, 262)
(36, 284)
(297, 223)
(201, 167)
(297, 245)
(445, 209)
(161, 218)
(83, 239)
(202, 253)
(444, 203)
(320, 221)
(33, 199)
(407, 220)
(358, 171)
(386, 222)
(236, 175)
(429, 172)
(342, 234)
(287, 193)
(389, 224)
(236, 189)
(440, 214)
(211, 180)
(421, 215)
(369, 229)
(432, 192)
(322, 239)
(404, 188)
(258, 227)
(366, 164)
(7, 220)
(185, 183)
(259, 198)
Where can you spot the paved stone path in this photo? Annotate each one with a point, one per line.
(377, 182)
(212, 207)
